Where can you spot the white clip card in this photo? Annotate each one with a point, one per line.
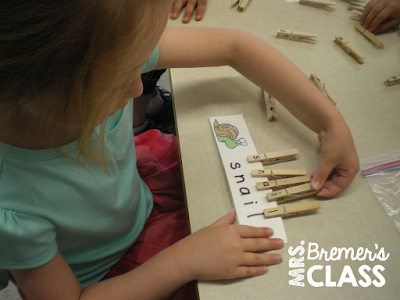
(234, 143)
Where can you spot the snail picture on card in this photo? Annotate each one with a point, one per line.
(227, 133)
(230, 133)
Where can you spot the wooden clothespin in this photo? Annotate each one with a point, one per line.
(353, 5)
(323, 4)
(351, 50)
(356, 15)
(291, 193)
(392, 80)
(369, 35)
(321, 86)
(242, 4)
(278, 173)
(307, 37)
(292, 210)
(274, 157)
(281, 183)
(270, 106)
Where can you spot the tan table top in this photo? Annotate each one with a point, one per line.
(352, 219)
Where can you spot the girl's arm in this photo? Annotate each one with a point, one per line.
(219, 251)
(270, 70)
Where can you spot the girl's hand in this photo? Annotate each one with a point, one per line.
(339, 162)
(191, 5)
(380, 15)
(225, 251)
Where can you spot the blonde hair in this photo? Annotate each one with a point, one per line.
(51, 53)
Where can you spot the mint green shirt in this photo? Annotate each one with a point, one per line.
(49, 203)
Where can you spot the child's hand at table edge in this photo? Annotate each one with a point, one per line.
(339, 162)
(226, 251)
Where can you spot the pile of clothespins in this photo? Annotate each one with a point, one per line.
(357, 8)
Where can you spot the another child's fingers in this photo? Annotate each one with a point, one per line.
(386, 25)
(375, 17)
(382, 16)
(176, 9)
(368, 7)
(189, 9)
(201, 7)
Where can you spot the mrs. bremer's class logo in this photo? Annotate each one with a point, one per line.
(371, 273)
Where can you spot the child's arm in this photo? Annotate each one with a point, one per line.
(219, 251)
(270, 70)
(380, 15)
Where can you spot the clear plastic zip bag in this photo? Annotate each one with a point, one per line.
(383, 175)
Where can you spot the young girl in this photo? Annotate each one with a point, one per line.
(72, 202)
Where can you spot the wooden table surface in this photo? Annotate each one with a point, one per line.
(353, 219)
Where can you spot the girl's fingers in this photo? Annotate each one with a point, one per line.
(245, 271)
(261, 244)
(254, 259)
(254, 232)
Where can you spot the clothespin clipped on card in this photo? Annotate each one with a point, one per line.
(270, 106)
(321, 86)
(274, 157)
(281, 183)
(291, 193)
(242, 4)
(392, 80)
(278, 173)
(307, 37)
(369, 35)
(323, 4)
(351, 50)
(291, 210)
(354, 5)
